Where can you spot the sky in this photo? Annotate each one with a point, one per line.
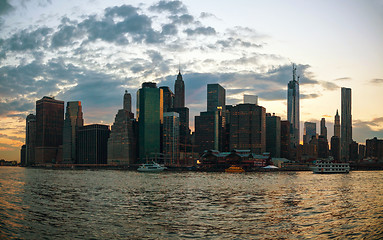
(93, 50)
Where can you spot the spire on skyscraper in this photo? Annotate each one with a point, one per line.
(179, 91)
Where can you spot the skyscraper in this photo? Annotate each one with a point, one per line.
(122, 141)
(179, 92)
(168, 102)
(323, 128)
(285, 139)
(208, 127)
(346, 123)
(216, 96)
(73, 120)
(273, 135)
(171, 137)
(337, 125)
(92, 144)
(49, 129)
(310, 131)
(149, 115)
(293, 108)
(30, 140)
(248, 128)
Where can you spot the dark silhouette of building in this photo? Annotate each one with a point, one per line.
(354, 154)
(323, 128)
(168, 97)
(184, 131)
(92, 144)
(73, 120)
(335, 148)
(216, 98)
(293, 108)
(273, 135)
(150, 116)
(346, 124)
(30, 140)
(310, 132)
(49, 129)
(337, 124)
(208, 130)
(23, 155)
(179, 92)
(374, 148)
(285, 139)
(248, 128)
(362, 151)
(323, 151)
(122, 140)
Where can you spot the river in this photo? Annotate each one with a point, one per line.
(115, 204)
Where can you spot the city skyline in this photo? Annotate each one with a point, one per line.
(63, 51)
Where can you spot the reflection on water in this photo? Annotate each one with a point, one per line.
(105, 204)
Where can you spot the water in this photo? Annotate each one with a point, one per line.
(108, 204)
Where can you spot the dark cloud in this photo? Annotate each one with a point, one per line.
(65, 36)
(169, 29)
(200, 31)
(309, 96)
(28, 40)
(173, 7)
(183, 19)
(10, 106)
(343, 79)
(363, 130)
(330, 85)
(235, 42)
(5, 7)
(377, 80)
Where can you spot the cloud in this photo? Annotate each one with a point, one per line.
(343, 79)
(377, 80)
(8, 107)
(20, 139)
(169, 29)
(200, 31)
(173, 7)
(206, 15)
(183, 19)
(5, 7)
(27, 40)
(363, 130)
(329, 85)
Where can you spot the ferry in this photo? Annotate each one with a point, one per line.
(151, 167)
(328, 166)
(234, 169)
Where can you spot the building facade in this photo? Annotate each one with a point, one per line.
(171, 137)
(179, 92)
(216, 98)
(92, 144)
(248, 128)
(150, 116)
(346, 123)
(168, 102)
(252, 99)
(310, 131)
(30, 140)
(208, 130)
(73, 120)
(337, 124)
(323, 128)
(273, 135)
(335, 148)
(49, 129)
(285, 139)
(293, 108)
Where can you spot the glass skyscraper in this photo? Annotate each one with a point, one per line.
(293, 108)
(346, 123)
(73, 120)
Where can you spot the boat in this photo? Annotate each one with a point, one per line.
(234, 169)
(328, 166)
(151, 167)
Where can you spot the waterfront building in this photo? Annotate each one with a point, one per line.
(354, 154)
(337, 125)
(252, 99)
(362, 151)
(273, 135)
(310, 132)
(122, 140)
(323, 151)
(335, 148)
(248, 128)
(208, 130)
(184, 130)
(346, 123)
(216, 98)
(323, 128)
(92, 144)
(49, 129)
(23, 155)
(171, 129)
(168, 96)
(374, 148)
(73, 120)
(179, 92)
(30, 140)
(150, 116)
(285, 139)
(293, 108)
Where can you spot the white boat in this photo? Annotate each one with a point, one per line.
(328, 166)
(151, 167)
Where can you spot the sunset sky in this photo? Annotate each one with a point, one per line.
(91, 51)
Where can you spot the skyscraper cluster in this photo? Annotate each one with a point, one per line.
(161, 131)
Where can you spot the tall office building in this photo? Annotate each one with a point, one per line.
(92, 144)
(310, 131)
(216, 95)
(208, 130)
(49, 129)
(179, 92)
(337, 125)
(73, 120)
(127, 104)
(30, 140)
(171, 137)
(252, 99)
(168, 102)
(273, 135)
(248, 128)
(122, 140)
(293, 108)
(184, 132)
(150, 116)
(323, 128)
(335, 148)
(374, 148)
(285, 139)
(346, 123)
